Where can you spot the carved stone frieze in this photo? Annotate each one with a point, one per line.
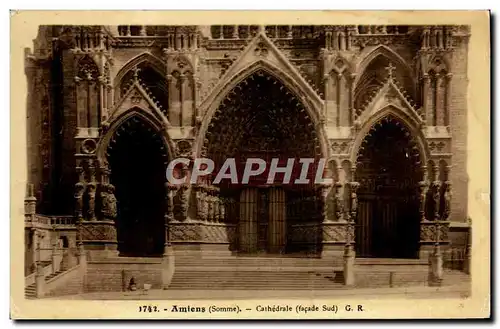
(100, 231)
(428, 232)
(337, 232)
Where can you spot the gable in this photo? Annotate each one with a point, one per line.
(261, 52)
(138, 97)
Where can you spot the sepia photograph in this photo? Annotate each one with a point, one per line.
(249, 162)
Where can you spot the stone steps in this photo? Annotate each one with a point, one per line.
(283, 273)
(256, 280)
(30, 291)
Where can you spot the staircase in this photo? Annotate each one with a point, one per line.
(256, 273)
(299, 273)
(30, 291)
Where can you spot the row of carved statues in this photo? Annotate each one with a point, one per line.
(98, 202)
(95, 201)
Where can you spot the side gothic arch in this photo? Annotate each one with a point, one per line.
(409, 123)
(209, 109)
(119, 120)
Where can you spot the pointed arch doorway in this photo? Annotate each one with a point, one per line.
(387, 225)
(261, 118)
(137, 159)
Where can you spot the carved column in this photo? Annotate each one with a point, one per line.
(425, 98)
(327, 81)
(352, 111)
(169, 214)
(338, 100)
(196, 100)
(447, 109)
(438, 114)
(168, 257)
(171, 90)
(235, 32)
(349, 253)
(289, 33)
(184, 81)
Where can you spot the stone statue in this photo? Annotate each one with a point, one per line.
(338, 201)
(79, 189)
(447, 200)
(111, 202)
(104, 201)
(436, 185)
(423, 188)
(183, 201)
(91, 190)
(354, 199)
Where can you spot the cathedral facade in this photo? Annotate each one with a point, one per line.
(109, 107)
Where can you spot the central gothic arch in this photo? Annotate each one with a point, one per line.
(262, 118)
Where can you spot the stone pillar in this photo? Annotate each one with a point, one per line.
(436, 262)
(183, 80)
(425, 98)
(56, 264)
(39, 281)
(39, 275)
(289, 33)
(30, 204)
(352, 111)
(168, 258)
(235, 32)
(349, 252)
(447, 109)
(327, 82)
(82, 257)
(349, 258)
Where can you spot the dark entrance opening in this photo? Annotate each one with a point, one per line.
(388, 170)
(137, 161)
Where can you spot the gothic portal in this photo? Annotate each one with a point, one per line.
(137, 160)
(388, 171)
(261, 118)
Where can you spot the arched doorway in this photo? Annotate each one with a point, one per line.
(388, 170)
(137, 159)
(261, 118)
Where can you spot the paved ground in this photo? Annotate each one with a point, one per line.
(451, 291)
